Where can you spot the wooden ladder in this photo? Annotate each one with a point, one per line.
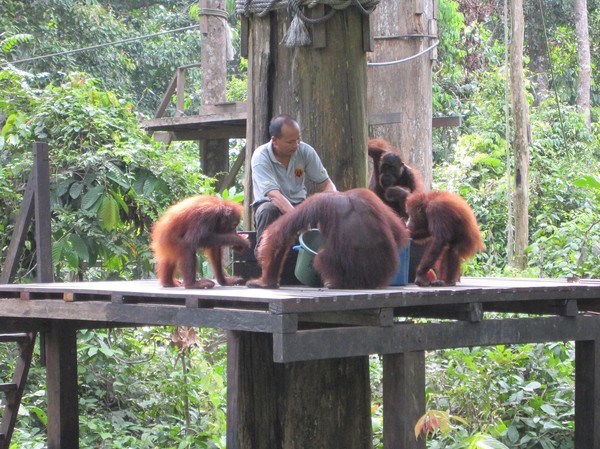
(13, 392)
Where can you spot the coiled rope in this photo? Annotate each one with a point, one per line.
(297, 34)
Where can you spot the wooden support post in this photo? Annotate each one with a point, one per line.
(244, 27)
(319, 31)
(43, 231)
(403, 399)
(61, 379)
(319, 404)
(229, 179)
(251, 406)
(214, 153)
(587, 394)
(368, 41)
(36, 199)
(11, 264)
(180, 102)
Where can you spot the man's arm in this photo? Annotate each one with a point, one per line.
(326, 186)
(279, 200)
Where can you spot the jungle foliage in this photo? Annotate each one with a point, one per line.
(110, 181)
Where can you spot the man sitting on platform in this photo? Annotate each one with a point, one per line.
(279, 170)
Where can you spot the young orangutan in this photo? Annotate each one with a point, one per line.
(392, 180)
(199, 221)
(450, 227)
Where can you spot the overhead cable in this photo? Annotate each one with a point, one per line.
(107, 44)
(400, 61)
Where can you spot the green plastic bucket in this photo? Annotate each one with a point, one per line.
(310, 242)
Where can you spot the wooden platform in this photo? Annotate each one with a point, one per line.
(228, 121)
(286, 312)
(268, 329)
(215, 121)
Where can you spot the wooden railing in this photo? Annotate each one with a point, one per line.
(177, 84)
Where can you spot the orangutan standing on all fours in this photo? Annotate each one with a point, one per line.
(448, 225)
(199, 221)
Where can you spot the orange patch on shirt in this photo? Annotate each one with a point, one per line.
(299, 172)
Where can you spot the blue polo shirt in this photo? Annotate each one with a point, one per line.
(270, 174)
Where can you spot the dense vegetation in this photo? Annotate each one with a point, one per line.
(110, 181)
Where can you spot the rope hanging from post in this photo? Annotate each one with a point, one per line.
(297, 34)
(224, 16)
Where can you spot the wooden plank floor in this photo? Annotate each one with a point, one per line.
(115, 303)
(312, 324)
(306, 299)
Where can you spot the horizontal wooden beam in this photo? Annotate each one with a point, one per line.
(142, 314)
(228, 120)
(405, 337)
(446, 122)
(222, 113)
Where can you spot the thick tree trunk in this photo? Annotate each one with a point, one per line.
(401, 30)
(319, 404)
(214, 154)
(323, 88)
(520, 114)
(584, 58)
(326, 89)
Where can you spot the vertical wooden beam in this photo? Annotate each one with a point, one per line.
(319, 31)
(61, 379)
(251, 393)
(11, 264)
(36, 200)
(259, 105)
(587, 394)
(403, 399)
(368, 41)
(43, 231)
(419, 6)
(229, 179)
(180, 92)
(203, 17)
(214, 153)
(327, 404)
(318, 404)
(244, 30)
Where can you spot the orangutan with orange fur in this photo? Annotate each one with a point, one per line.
(199, 221)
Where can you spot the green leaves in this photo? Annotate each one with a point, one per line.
(8, 42)
(587, 181)
(91, 199)
(482, 441)
(108, 213)
(109, 180)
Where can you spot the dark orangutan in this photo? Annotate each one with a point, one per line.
(363, 239)
(392, 180)
(196, 222)
(450, 226)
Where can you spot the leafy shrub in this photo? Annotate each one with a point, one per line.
(141, 401)
(109, 180)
